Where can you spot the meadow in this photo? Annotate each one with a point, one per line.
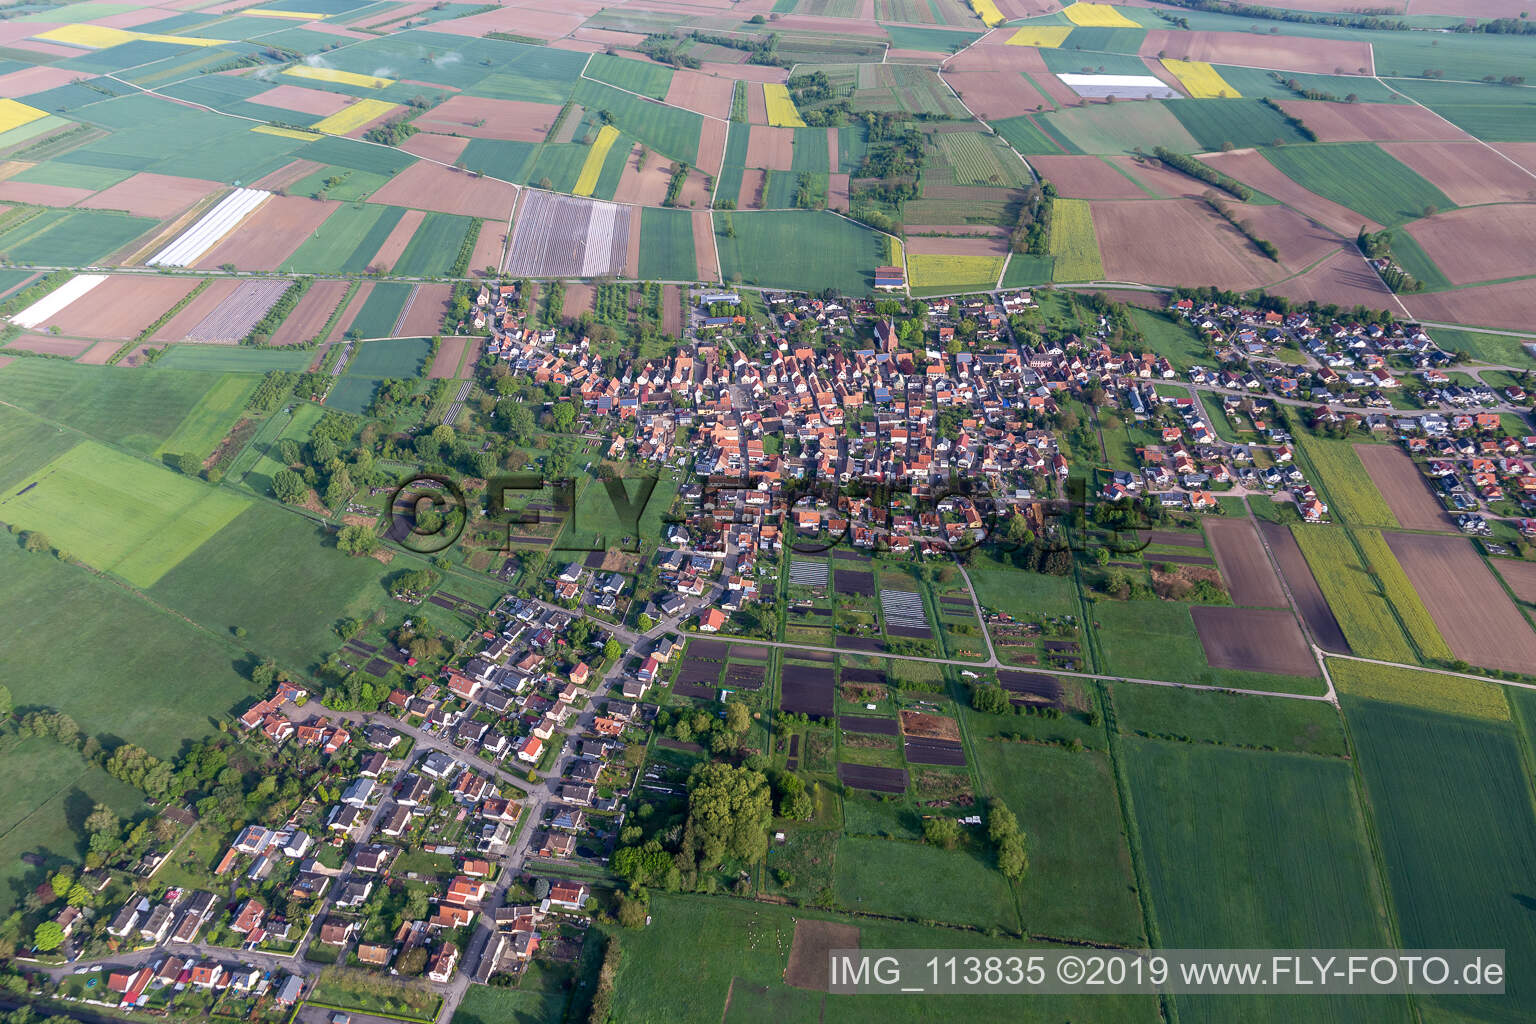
(1229, 719)
(393, 357)
(1025, 136)
(1347, 488)
(1432, 691)
(1451, 802)
(25, 444)
(118, 513)
(934, 274)
(1488, 348)
(227, 358)
(666, 245)
(671, 131)
(434, 246)
(1222, 834)
(1361, 176)
(896, 878)
(347, 241)
(71, 238)
(632, 75)
(1023, 594)
(1218, 123)
(211, 418)
(1080, 884)
(827, 251)
(130, 410)
(1170, 338)
(1353, 594)
(1073, 243)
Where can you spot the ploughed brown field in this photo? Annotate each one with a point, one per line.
(48, 345)
(1521, 577)
(1402, 485)
(704, 246)
(1088, 177)
(302, 99)
(153, 195)
(270, 235)
(449, 354)
(1471, 609)
(99, 353)
(1209, 249)
(1254, 640)
(1366, 122)
(1250, 167)
(428, 186)
(995, 94)
(1304, 589)
(481, 118)
(195, 311)
(810, 959)
(1250, 578)
(1480, 243)
(1467, 172)
(704, 94)
(1343, 278)
(399, 237)
(120, 307)
(424, 317)
(711, 151)
(771, 148)
(1511, 305)
(310, 315)
(1281, 53)
(435, 147)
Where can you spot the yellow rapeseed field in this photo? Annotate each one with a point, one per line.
(286, 133)
(1047, 37)
(294, 15)
(339, 77)
(99, 37)
(1202, 81)
(1097, 16)
(947, 271)
(987, 11)
(781, 109)
(592, 167)
(14, 114)
(353, 117)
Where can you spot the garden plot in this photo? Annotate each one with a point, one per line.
(563, 236)
(876, 780)
(867, 725)
(1031, 687)
(234, 318)
(904, 614)
(808, 574)
(746, 677)
(855, 583)
(808, 690)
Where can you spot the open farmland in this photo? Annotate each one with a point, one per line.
(1404, 488)
(1350, 494)
(119, 307)
(234, 318)
(1432, 691)
(1362, 177)
(834, 252)
(563, 236)
(1073, 243)
(1244, 565)
(1253, 640)
(211, 418)
(1354, 594)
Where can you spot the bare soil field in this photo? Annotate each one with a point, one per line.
(1370, 122)
(938, 727)
(995, 245)
(1209, 248)
(152, 195)
(1301, 241)
(695, 191)
(759, 73)
(234, 318)
(704, 94)
(428, 186)
(838, 189)
(399, 237)
(1254, 640)
(772, 148)
(1281, 53)
(449, 353)
(42, 195)
(39, 78)
(757, 107)
(1250, 578)
(270, 235)
(579, 299)
(632, 251)
(1521, 577)
(1161, 180)
(605, 37)
(1470, 8)
(1467, 172)
(344, 321)
(1028, 59)
(672, 310)
(1511, 306)
(286, 175)
(99, 353)
(424, 317)
(704, 246)
(120, 307)
(646, 185)
(1402, 485)
(178, 326)
(1344, 278)
(1472, 611)
(310, 315)
(1522, 153)
(1086, 177)
(1249, 167)
(302, 100)
(810, 959)
(489, 246)
(1304, 589)
(46, 344)
(445, 148)
(1480, 243)
(481, 118)
(711, 152)
(751, 195)
(995, 94)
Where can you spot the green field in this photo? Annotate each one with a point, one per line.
(1217, 123)
(1496, 113)
(595, 523)
(352, 394)
(1024, 271)
(1233, 719)
(1018, 592)
(896, 878)
(1432, 691)
(1409, 255)
(137, 411)
(1487, 348)
(831, 252)
(395, 357)
(934, 40)
(1354, 594)
(236, 358)
(381, 309)
(1361, 176)
(1346, 486)
(1170, 338)
(811, 152)
(71, 238)
(736, 950)
(631, 75)
(1025, 136)
(211, 418)
(27, 444)
(978, 159)
(1121, 127)
(434, 247)
(1257, 850)
(117, 513)
(1080, 884)
(671, 131)
(666, 245)
(497, 158)
(347, 241)
(1074, 245)
(1451, 802)
(1255, 83)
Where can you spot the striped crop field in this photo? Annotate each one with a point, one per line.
(1354, 594)
(1097, 16)
(1200, 80)
(1073, 242)
(353, 117)
(781, 109)
(1047, 37)
(586, 182)
(1417, 621)
(336, 77)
